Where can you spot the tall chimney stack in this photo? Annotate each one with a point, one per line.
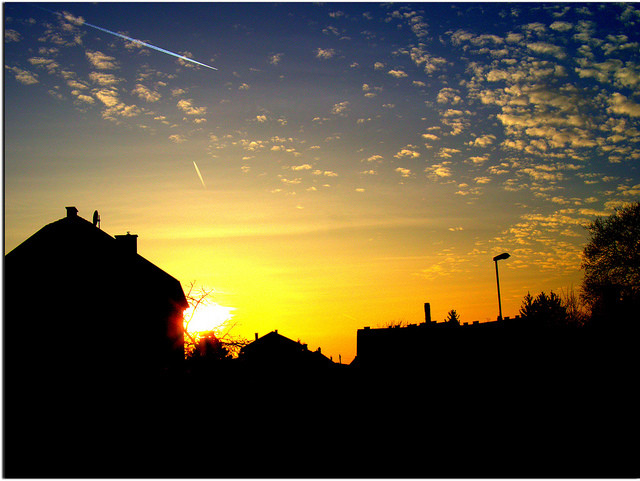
(427, 312)
(128, 243)
(72, 212)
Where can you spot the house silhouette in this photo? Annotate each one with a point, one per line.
(275, 351)
(77, 299)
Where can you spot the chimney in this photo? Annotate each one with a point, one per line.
(256, 336)
(71, 212)
(128, 242)
(427, 312)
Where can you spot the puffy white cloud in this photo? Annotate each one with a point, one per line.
(340, 109)
(12, 36)
(425, 60)
(408, 151)
(177, 138)
(403, 172)
(483, 140)
(101, 61)
(448, 95)
(438, 171)
(24, 76)
(104, 79)
(397, 73)
(108, 97)
(275, 58)
(301, 167)
(619, 104)
(325, 53)
(560, 26)
(146, 93)
(375, 158)
(188, 108)
(547, 48)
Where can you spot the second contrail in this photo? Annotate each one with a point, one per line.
(199, 174)
(140, 42)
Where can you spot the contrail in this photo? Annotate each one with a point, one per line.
(81, 21)
(199, 174)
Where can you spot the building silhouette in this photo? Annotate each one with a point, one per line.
(275, 351)
(78, 299)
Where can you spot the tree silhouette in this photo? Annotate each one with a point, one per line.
(611, 263)
(210, 348)
(209, 345)
(453, 318)
(543, 311)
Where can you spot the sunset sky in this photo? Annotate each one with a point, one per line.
(355, 160)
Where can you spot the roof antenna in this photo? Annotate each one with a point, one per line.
(96, 219)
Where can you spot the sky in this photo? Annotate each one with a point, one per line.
(344, 164)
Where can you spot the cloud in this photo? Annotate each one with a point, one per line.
(104, 79)
(340, 109)
(445, 152)
(619, 104)
(482, 180)
(408, 151)
(375, 158)
(12, 36)
(423, 59)
(547, 48)
(326, 173)
(448, 95)
(483, 141)
(275, 58)
(403, 172)
(301, 167)
(325, 53)
(24, 76)
(188, 108)
(101, 61)
(378, 66)
(78, 21)
(146, 94)
(177, 138)
(397, 73)
(87, 99)
(561, 26)
(438, 171)
(108, 97)
(244, 86)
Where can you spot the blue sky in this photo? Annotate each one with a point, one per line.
(349, 152)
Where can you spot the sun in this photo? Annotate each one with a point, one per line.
(207, 317)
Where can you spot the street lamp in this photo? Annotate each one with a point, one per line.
(504, 255)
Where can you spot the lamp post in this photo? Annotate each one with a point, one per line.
(505, 255)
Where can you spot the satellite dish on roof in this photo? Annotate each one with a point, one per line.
(96, 219)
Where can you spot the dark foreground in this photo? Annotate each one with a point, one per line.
(564, 408)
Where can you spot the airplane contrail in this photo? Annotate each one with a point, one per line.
(81, 21)
(199, 174)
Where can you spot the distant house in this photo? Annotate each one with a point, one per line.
(274, 350)
(78, 299)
